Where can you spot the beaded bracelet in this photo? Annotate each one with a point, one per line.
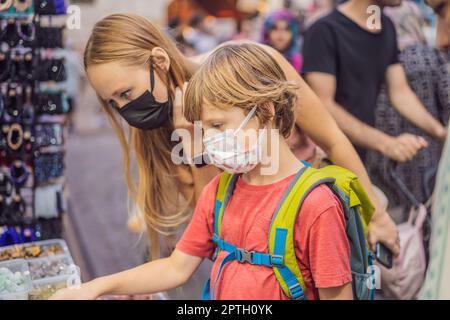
(22, 35)
(19, 173)
(22, 5)
(6, 5)
(15, 128)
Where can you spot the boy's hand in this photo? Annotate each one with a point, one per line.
(383, 229)
(73, 294)
(87, 291)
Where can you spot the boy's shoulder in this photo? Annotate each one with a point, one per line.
(210, 189)
(321, 199)
(214, 183)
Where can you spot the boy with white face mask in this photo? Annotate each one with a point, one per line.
(245, 104)
(226, 150)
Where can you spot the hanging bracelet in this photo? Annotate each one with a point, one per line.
(22, 5)
(19, 172)
(6, 5)
(17, 128)
(24, 36)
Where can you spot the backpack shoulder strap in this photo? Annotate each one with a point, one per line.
(358, 210)
(349, 184)
(281, 233)
(225, 190)
(346, 186)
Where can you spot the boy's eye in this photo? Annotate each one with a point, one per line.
(216, 125)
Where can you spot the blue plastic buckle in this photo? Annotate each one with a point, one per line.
(277, 261)
(245, 256)
(295, 290)
(215, 238)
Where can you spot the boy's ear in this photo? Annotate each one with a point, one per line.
(271, 109)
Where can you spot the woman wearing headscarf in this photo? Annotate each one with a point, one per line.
(281, 31)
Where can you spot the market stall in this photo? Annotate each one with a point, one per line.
(33, 114)
(35, 271)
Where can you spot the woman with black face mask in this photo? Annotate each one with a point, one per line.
(121, 52)
(145, 112)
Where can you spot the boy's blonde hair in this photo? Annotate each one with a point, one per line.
(243, 75)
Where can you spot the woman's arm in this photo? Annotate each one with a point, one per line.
(152, 277)
(319, 125)
(408, 104)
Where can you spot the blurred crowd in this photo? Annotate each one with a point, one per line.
(395, 116)
(424, 64)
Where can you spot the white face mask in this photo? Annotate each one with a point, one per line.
(226, 153)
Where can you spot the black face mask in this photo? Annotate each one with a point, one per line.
(145, 112)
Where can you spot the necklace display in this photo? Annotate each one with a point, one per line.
(33, 112)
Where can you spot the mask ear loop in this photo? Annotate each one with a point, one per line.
(152, 77)
(246, 120)
(152, 81)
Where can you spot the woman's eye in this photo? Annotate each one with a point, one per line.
(216, 125)
(126, 94)
(113, 104)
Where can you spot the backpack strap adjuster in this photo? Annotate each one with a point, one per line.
(244, 256)
(276, 261)
(296, 291)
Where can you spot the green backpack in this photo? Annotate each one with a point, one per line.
(281, 256)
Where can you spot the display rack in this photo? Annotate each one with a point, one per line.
(33, 112)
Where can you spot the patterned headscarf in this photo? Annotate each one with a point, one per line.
(292, 53)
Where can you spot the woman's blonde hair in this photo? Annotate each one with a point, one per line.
(243, 75)
(128, 39)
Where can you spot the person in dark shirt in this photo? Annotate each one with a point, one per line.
(428, 76)
(348, 55)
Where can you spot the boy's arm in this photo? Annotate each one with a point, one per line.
(344, 292)
(156, 276)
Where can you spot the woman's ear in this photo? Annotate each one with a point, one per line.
(161, 58)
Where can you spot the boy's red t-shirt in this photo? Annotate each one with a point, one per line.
(321, 244)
